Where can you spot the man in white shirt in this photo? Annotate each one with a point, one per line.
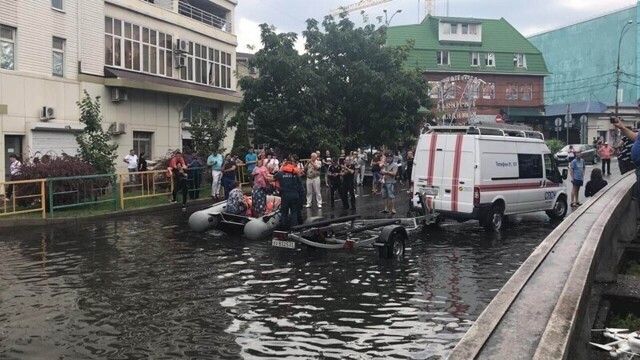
(312, 171)
(132, 164)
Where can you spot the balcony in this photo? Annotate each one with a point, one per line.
(203, 11)
(206, 13)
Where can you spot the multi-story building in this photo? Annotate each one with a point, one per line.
(154, 63)
(588, 61)
(477, 69)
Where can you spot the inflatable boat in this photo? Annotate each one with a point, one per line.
(254, 228)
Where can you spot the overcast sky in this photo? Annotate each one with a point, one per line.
(528, 16)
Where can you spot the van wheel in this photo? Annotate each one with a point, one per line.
(495, 219)
(559, 209)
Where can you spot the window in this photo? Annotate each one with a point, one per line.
(474, 91)
(490, 59)
(57, 65)
(454, 28)
(520, 60)
(512, 92)
(57, 4)
(551, 169)
(142, 143)
(475, 59)
(530, 166)
(7, 47)
(473, 29)
(465, 29)
(434, 89)
(144, 49)
(489, 91)
(526, 92)
(442, 57)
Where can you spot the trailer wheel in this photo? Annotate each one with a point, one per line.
(495, 219)
(394, 238)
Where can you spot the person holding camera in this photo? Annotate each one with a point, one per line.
(635, 150)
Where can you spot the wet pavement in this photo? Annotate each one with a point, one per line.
(148, 287)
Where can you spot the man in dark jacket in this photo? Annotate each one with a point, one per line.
(290, 185)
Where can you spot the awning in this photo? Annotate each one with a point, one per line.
(523, 112)
(135, 80)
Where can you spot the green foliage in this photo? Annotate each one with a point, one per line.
(207, 132)
(633, 268)
(241, 140)
(630, 321)
(554, 145)
(94, 144)
(348, 90)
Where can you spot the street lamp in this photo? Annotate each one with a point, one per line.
(386, 22)
(624, 31)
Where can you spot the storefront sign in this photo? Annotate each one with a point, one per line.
(456, 96)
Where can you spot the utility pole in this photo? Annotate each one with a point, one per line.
(624, 30)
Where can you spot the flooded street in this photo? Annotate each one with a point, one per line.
(147, 287)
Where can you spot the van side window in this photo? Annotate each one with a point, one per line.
(551, 169)
(530, 166)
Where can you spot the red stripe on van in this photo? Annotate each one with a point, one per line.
(455, 179)
(432, 159)
(512, 186)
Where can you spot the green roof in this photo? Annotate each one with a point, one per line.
(498, 37)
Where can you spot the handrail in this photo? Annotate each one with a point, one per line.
(84, 191)
(143, 184)
(202, 16)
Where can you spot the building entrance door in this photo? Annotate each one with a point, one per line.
(12, 145)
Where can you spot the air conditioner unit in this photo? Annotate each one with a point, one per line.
(118, 95)
(182, 45)
(47, 113)
(117, 128)
(181, 61)
(185, 124)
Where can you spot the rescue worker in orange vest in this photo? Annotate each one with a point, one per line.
(290, 185)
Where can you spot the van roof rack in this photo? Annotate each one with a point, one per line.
(522, 131)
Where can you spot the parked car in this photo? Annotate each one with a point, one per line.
(589, 154)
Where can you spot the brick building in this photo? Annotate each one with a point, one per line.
(477, 69)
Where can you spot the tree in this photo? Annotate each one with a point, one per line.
(241, 141)
(95, 145)
(347, 90)
(207, 132)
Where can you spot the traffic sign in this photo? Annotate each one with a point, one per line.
(558, 122)
(583, 119)
(558, 128)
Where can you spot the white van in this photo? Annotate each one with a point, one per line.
(485, 173)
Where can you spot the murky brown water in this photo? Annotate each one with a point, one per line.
(147, 287)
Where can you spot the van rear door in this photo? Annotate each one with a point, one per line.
(532, 181)
(457, 176)
(428, 165)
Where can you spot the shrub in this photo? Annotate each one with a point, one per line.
(67, 191)
(555, 145)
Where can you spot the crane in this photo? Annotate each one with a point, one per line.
(362, 4)
(430, 6)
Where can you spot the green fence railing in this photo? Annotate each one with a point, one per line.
(78, 191)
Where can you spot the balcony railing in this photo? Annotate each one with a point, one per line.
(203, 16)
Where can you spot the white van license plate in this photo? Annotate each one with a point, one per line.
(283, 244)
(429, 191)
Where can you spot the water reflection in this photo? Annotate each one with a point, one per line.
(146, 287)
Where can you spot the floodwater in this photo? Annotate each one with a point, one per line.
(147, 287)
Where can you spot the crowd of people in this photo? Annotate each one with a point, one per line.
(298, 183)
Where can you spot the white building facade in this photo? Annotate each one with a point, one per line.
(154, 63)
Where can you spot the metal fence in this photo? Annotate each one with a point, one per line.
(78, 191)
(23, 197)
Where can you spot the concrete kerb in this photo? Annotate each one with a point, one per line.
(192, 206)
(570, 311)
(477, 337)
